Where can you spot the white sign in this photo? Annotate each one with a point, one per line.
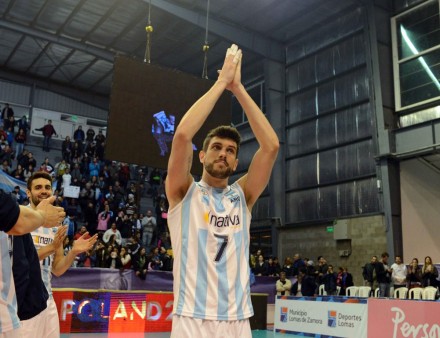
(340, 319)
(71, 191)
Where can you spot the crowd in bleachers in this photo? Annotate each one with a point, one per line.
(99, 196)
(302, 277)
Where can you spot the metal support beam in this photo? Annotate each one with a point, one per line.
(267, 48)
(66, 42)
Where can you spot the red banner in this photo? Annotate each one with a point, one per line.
(113, 312)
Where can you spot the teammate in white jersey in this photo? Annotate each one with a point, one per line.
(209, 220)
(49, 245)
(17, 220)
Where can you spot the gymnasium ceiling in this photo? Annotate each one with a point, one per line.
(73, 42)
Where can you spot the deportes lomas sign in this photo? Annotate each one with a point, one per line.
(339, 317)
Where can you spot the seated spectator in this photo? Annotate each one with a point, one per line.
(272, 268)
(429, 273)
(167, 260)
(261, 268)
(288, 267)
(154, 262)
(114, 261)
(102, 254)
(86, 259)
(112, 235)
(283, 285)
(140, 266)
(414, 275)
(82, 232)
(125, 258)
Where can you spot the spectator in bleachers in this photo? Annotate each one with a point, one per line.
(166, 259)
(429, 273)
(384, 276)
(125, 258)
(104, 218)
(7, 112)
(48, 131)
(48, 167)
(288, 267)
(66, 149)
(28, 171)
(261, 268)
(18, 173)
(77, 152)
(82, 230)
(283, 285)
(23, 124)
(87, 259)
(5, 166)
(112, 235)
(141, 264)
(398, 273)
(149, 226)
(414, 274)
(308, 284)
(272, 268)
(329, 281)
(20, 141)
(154, 262)
(101, 254)
(298, 263)
(114, 261)
(76, 173)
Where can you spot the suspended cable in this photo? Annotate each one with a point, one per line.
(149, 30)
(206, 45)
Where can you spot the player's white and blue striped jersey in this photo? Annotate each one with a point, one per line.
(8, 301)
(42, 237)
(209, 232)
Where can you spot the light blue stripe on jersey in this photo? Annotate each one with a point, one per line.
(223, 285)
(9, 319)
(184, 250)
(246, 243)
(239, 291)
(202, 275)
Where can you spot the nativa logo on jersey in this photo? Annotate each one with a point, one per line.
(42, 240)
(222, 221)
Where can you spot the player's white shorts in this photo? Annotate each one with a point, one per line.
(46, 324)
(187, 327)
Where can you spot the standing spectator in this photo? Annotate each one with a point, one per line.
(90, 136)
(429, 273)
(23, 124)
(66, 149)
(384, 276)
(346, 281)
(414, 275)
(7, 112)
(288, 267)
(329, 281)
(104, 218)
(20, 141)
(48, 130)
(87, 259)
(369, 273)
(79, 136)
(298, 264)
(399, 272)
(283, 285)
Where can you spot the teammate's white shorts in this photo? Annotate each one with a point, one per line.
(187, 327)
(46, 324)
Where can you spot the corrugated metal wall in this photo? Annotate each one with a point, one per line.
(330, 166)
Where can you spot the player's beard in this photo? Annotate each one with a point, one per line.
(221, 174)
(36, 200)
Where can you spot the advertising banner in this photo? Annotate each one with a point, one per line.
(90, 311)
(403, 318)
(323, 316)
